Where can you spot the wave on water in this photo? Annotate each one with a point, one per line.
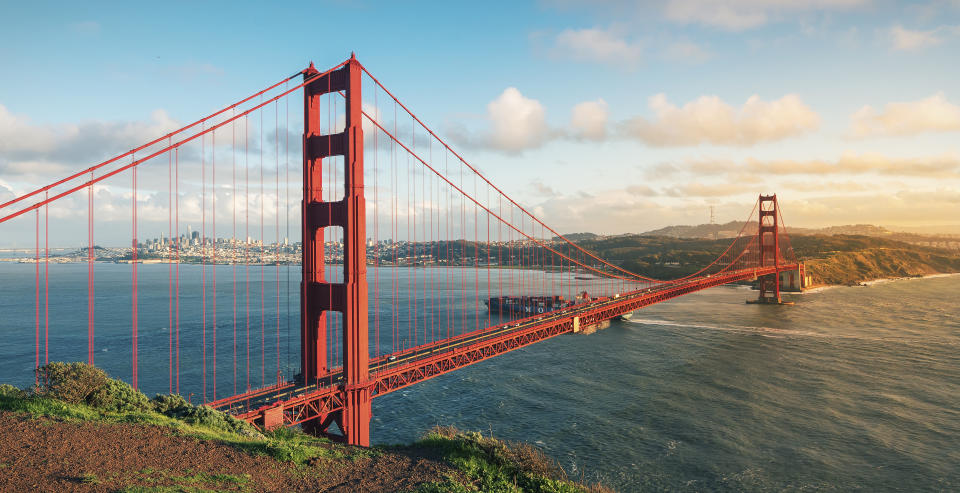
(910, 278)
(764, 331)
(781, 333)
(933, 276)
(818, 289)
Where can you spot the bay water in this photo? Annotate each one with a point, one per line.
(850, 389)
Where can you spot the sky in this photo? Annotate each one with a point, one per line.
(606, 116)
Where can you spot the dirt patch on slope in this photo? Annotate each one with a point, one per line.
(38, 454)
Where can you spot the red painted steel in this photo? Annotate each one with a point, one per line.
(768, 239)
(304, 404)
(349, 297)
(338, 378)
(313, 338)
(477, 172)
(176, 145)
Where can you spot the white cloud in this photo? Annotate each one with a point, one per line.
(597, 45)
(932, 114)
(78, 143)
(739, 15)
(686, 51)
(849, 163)
(732, 15)
(589, 119)
(710, 120)
(541, 188)
(907, 40)
(6, 191)
(903, 39)
(517, 122)
(635, 209)
(708, 190)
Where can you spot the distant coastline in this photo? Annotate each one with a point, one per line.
(854, 267)
(873, 282)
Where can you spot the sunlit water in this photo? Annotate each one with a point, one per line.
(849, 389)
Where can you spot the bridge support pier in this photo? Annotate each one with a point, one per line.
(350, 296)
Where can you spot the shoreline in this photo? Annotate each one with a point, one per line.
(816, 288)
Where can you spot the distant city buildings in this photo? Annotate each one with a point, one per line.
(192, 247)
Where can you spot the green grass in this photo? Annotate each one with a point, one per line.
(289, 445)
(89, 478)
(284, 444)
(495, 466)
(166, 481)
(485, 463)
(449, 485)
(49, 408)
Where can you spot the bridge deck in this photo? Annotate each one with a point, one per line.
(299, 402)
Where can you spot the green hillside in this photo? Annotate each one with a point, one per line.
(830, 259)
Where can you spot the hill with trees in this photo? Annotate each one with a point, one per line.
(830, 259)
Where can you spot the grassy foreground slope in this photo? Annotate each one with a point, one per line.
(78, 430)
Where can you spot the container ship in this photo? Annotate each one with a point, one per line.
(526, 304)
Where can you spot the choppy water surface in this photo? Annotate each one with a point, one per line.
(849, 389)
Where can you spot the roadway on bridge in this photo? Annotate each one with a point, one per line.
(250, 401)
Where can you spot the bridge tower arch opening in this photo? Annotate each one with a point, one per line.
(318, 295)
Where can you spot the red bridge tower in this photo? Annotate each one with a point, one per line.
(769, 243)
(349, 297)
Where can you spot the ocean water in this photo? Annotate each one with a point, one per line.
(850, 389)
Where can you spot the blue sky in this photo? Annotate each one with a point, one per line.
(848, 109)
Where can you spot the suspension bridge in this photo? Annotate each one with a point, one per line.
(403, 245)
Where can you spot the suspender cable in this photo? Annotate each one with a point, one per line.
(276, 224)
(287, 212)
(246, 238)
(36, 266)
(376, 239)
(155, 141)
(203, 260)
(233, 245)
(412, 185)
(90, 259)
(133, 256)
(176, 191)
(166, 253)
(476, 258)
(184, 140)
(46, 282)
(263, 271)
(213, 209)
